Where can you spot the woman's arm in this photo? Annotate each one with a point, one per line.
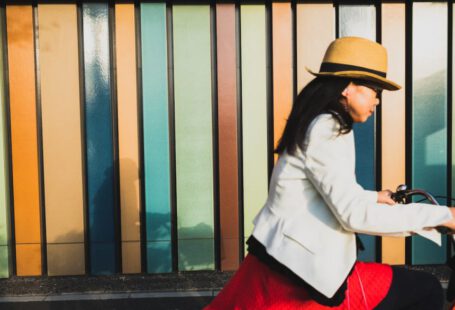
(327, 165)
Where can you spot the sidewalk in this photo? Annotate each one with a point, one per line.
(176, 291)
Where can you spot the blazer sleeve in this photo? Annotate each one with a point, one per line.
(327, 161)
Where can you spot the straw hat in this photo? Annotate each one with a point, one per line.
(356, 58)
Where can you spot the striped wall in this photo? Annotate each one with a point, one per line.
(138, 136)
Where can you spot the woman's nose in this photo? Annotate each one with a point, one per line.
(377, 101)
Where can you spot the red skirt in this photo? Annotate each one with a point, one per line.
(256, 286)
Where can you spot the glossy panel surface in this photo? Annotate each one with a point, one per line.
(360, 20)
(193, 133)
(393, 116)
(254, 111)
(98, 136)
(282, 67)
(429, 114)
(311, 45)
(24, 143)
(62, 151)
(156, 136)
(228, 136)
(128, 136)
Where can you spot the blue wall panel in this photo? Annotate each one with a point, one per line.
(99, 139)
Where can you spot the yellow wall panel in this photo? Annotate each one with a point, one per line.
(393, 117)
(62, 151)
(128, 136)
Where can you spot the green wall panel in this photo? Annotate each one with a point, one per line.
(156, 137)
(254, 111)
(193, 135)
(4, 171)
(429, 114)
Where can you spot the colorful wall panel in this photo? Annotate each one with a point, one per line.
(24, 139)
(128, 136)
(282, 67)
(99, 138)
(62, 140)
(429, 114)
(5, 235)
(193, 136)
(228, 136)
(254, 111)
(311, 45)
(360, 20)
(393, 116)
(156, 145)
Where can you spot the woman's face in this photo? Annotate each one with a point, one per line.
(360, 101)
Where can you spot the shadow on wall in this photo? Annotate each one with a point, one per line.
(66, 254)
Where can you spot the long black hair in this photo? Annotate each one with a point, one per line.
(321, 95)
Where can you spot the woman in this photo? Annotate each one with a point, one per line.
(303, 249)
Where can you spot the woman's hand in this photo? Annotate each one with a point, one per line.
(385, 196)
(450, 224)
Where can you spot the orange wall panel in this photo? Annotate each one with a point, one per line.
(24, 143)
(282, 67)
(130, 198)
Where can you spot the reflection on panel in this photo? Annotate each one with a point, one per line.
(227, 136)
(127, 111)
(393, 116)
(360, 20)
(193, 135)
(98, 135)
(254, 111)
(311, 45)
(24, 142)
(62, 152)
(429, 114)
(155, 117)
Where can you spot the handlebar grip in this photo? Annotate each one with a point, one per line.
(444, 230)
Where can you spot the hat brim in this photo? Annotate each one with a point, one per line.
(360, 75)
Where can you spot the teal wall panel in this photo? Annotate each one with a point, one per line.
(254, 111)
(193, 134)
(4, 172)
(156, 137)
(429, 114)
(103, 246)
(360, 20)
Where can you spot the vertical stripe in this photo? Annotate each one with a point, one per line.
(156, 137)
(193, 133)
(62, 152)
(429, 114)
(24, 143)
(125, 43)
(360, 20)
(393, 118)
(228, 136)
(5, 242)
(282, 67)
(98, 134)
(254, 111)
(311, 45)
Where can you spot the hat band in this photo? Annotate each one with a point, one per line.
(333, 67)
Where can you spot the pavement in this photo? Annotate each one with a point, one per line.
(175, 291)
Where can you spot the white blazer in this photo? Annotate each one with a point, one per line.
(315, 205)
